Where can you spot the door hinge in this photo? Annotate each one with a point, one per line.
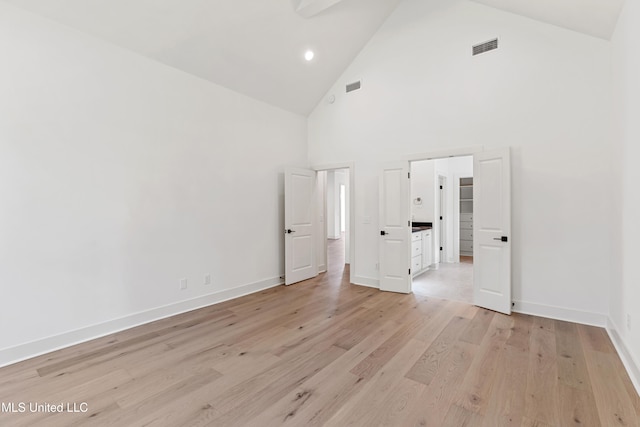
(440, 247)
(409, 271)
(409, 175)
(409, 223)
(440, 218)
(441, 187)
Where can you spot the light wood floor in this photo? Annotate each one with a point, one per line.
(451, 281)
(325, 352)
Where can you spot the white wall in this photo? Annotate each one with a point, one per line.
(118, 177)
(422, 186)
(545, 93)
(625, 251)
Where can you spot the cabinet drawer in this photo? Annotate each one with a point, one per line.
(416, 248)
(466, 225)
(466, 246)
(416, 264)
(466, 234)
(416, 236)
(466, 217)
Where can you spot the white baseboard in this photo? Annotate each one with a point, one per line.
(630, 363)
(366, 281)
(25, 351)
(560, 313)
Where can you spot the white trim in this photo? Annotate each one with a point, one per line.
(444, 212)
(441, 154)
(366, 281)
(560, 313)
(352, 210)
(631, 365)
(332, 166)
(324, 226)
(31, 349)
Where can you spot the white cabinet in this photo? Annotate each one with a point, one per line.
(416, 248)
(421, 251)
(416, 253)
(427, 249)
(416, 265)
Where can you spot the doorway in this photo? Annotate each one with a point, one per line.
(491, 226)
(334, 213)
(305, 221)
(442, 205)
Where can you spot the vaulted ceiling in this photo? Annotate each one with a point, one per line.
(596, 18)
(256, 47)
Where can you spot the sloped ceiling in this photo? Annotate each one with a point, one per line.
(596, 18)
(256, 47)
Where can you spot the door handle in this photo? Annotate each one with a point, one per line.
(288, 231)
(502, 239)
(383, 233)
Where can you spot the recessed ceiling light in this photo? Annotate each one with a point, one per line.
(308, 55)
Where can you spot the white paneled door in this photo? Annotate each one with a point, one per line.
(492, 230)
(395, 228)
(299, 225)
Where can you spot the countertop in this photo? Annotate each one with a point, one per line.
(420, 226)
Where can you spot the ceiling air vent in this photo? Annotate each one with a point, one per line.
(353, 86)
(485, 47)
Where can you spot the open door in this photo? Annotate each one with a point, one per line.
(299, 225)
(395, 228)
(492, 230)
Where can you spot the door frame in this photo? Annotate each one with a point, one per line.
(441, 225)
(441, 154)
(352, 222)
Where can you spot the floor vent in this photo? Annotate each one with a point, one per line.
(485, 47)
(353, 86)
